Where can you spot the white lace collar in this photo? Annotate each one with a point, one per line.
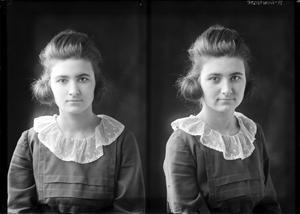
(77, 150)
(233, 147)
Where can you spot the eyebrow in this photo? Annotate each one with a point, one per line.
(232, 74)
(236, 73)
(80, 75)
(83, 75)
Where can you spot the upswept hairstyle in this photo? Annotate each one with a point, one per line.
(65, 45)
(216, 41)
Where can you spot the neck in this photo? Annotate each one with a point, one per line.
(224, 122)
(73, 123)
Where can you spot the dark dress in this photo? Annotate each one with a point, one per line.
(39, 182)
(200, 180)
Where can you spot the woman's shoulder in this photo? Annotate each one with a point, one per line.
(179, 134)
(247, 123)
(191, 125)
(186, 132)
(109, 129)
(260, 136)
(110, 121)
(27, 140)
(259, 128)
(28, 135)
(115, 131)
(253, 127)
(255, 130)
(180, 140)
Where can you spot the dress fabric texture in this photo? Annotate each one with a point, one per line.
(200, 180)
(40, 182)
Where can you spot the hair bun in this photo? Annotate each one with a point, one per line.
(42, 91)
(190, 88)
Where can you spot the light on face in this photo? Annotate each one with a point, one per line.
(73, 80)
(223, 80)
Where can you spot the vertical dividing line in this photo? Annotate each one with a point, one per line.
(148, 99)
(297, 93)
(144, 48)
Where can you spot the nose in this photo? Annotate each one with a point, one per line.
(226, 88)
(73, 89)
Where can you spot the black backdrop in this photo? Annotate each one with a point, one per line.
(144, 48)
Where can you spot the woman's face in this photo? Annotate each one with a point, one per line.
(73, 83)
(223, 82)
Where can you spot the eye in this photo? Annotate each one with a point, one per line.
(61, 80)
(236, 78)
(214, 78)
(83, 79)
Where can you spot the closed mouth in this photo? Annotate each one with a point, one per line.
(227, 99)
(74, 101)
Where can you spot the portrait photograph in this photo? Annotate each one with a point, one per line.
(148, 106)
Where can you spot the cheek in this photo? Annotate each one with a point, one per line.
(209, 90)
(89, 91)
(241, 87)
(57, 92)
(92, 89)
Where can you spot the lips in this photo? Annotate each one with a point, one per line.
(74, 101)
(226, 99)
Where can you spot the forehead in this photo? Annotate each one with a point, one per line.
(223, 65)
(71, 67)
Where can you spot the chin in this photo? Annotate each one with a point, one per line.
(225, 109)
(74, 110)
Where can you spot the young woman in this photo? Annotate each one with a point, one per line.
(76, 161)
(216, 161)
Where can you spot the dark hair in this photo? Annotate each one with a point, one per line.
(216, 41)
(65, 45)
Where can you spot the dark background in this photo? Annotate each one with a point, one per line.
(269, 32)
(119, 31)
(144, 45)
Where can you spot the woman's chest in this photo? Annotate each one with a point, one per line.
(227, 180)
(56, 178)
